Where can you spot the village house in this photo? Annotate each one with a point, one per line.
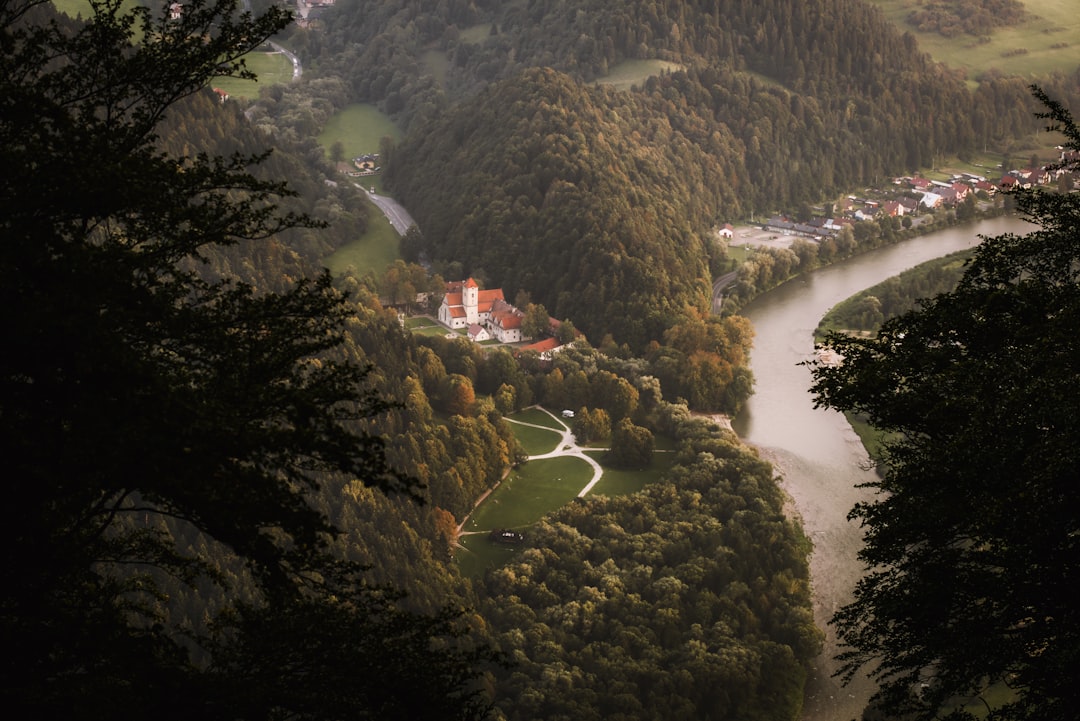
(931, 200)
(893, 208)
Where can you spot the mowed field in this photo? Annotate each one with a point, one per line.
(360, 128)
(269, 68)
(541, 486)
(1048, 41)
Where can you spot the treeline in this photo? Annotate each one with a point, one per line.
(689, 599)
(972, 17)
(868, 309)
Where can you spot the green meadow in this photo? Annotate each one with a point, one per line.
(620, 483)
(373, 251)
(536, 441)
(1049, 40)
(537, 417)
(629, 73)
(75, 8)
(269, 68)
(360, 128)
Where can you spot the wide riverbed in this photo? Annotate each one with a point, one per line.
(817, 455)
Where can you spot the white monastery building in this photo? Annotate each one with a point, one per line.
(466, 306)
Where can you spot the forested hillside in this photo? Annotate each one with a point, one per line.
(779, 103)
(241, 483)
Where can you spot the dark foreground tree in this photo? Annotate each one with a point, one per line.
(157, 424)
(973, 540)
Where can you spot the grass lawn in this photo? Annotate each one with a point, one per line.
(530, 492)
(1054, 22)
(628, 73)
(739, 252)
(421, 321)
(540, 487)
(434, 331)
(618, 483)
(360, 127)
(535, 441)
(375, 250)
(536, 417)
(272, 69)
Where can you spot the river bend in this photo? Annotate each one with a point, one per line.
(815, 452)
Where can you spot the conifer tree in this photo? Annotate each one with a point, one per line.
(142, 401)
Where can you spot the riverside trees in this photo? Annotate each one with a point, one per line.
(973, 542)
(141, 402)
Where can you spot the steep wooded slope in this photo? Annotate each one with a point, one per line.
(598, 202)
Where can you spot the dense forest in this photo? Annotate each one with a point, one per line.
(687, 599)
(766, 106)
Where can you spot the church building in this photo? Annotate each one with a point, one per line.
(465, 305)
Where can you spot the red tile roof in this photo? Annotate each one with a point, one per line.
(543, 346)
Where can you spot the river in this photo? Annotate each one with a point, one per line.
(815, 452)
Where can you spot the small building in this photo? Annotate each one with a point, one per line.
(727, 231)
(478, 334)
(567, 413)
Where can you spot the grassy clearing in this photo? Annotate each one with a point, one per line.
(375, 250)
(1055, 22)
(530, 492)
(271, 69)
(476, 33)
(739, 252)
(540, 487)
(438, 64)
(619, 483)
(536, 441)
(360, 128)
(629, 73)
(527, 495)
(536, 417)
(421, 321)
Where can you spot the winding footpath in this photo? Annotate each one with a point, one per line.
(567, 446)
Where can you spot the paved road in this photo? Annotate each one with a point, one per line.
(718, 287)
(397, 215)
(297, 70)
